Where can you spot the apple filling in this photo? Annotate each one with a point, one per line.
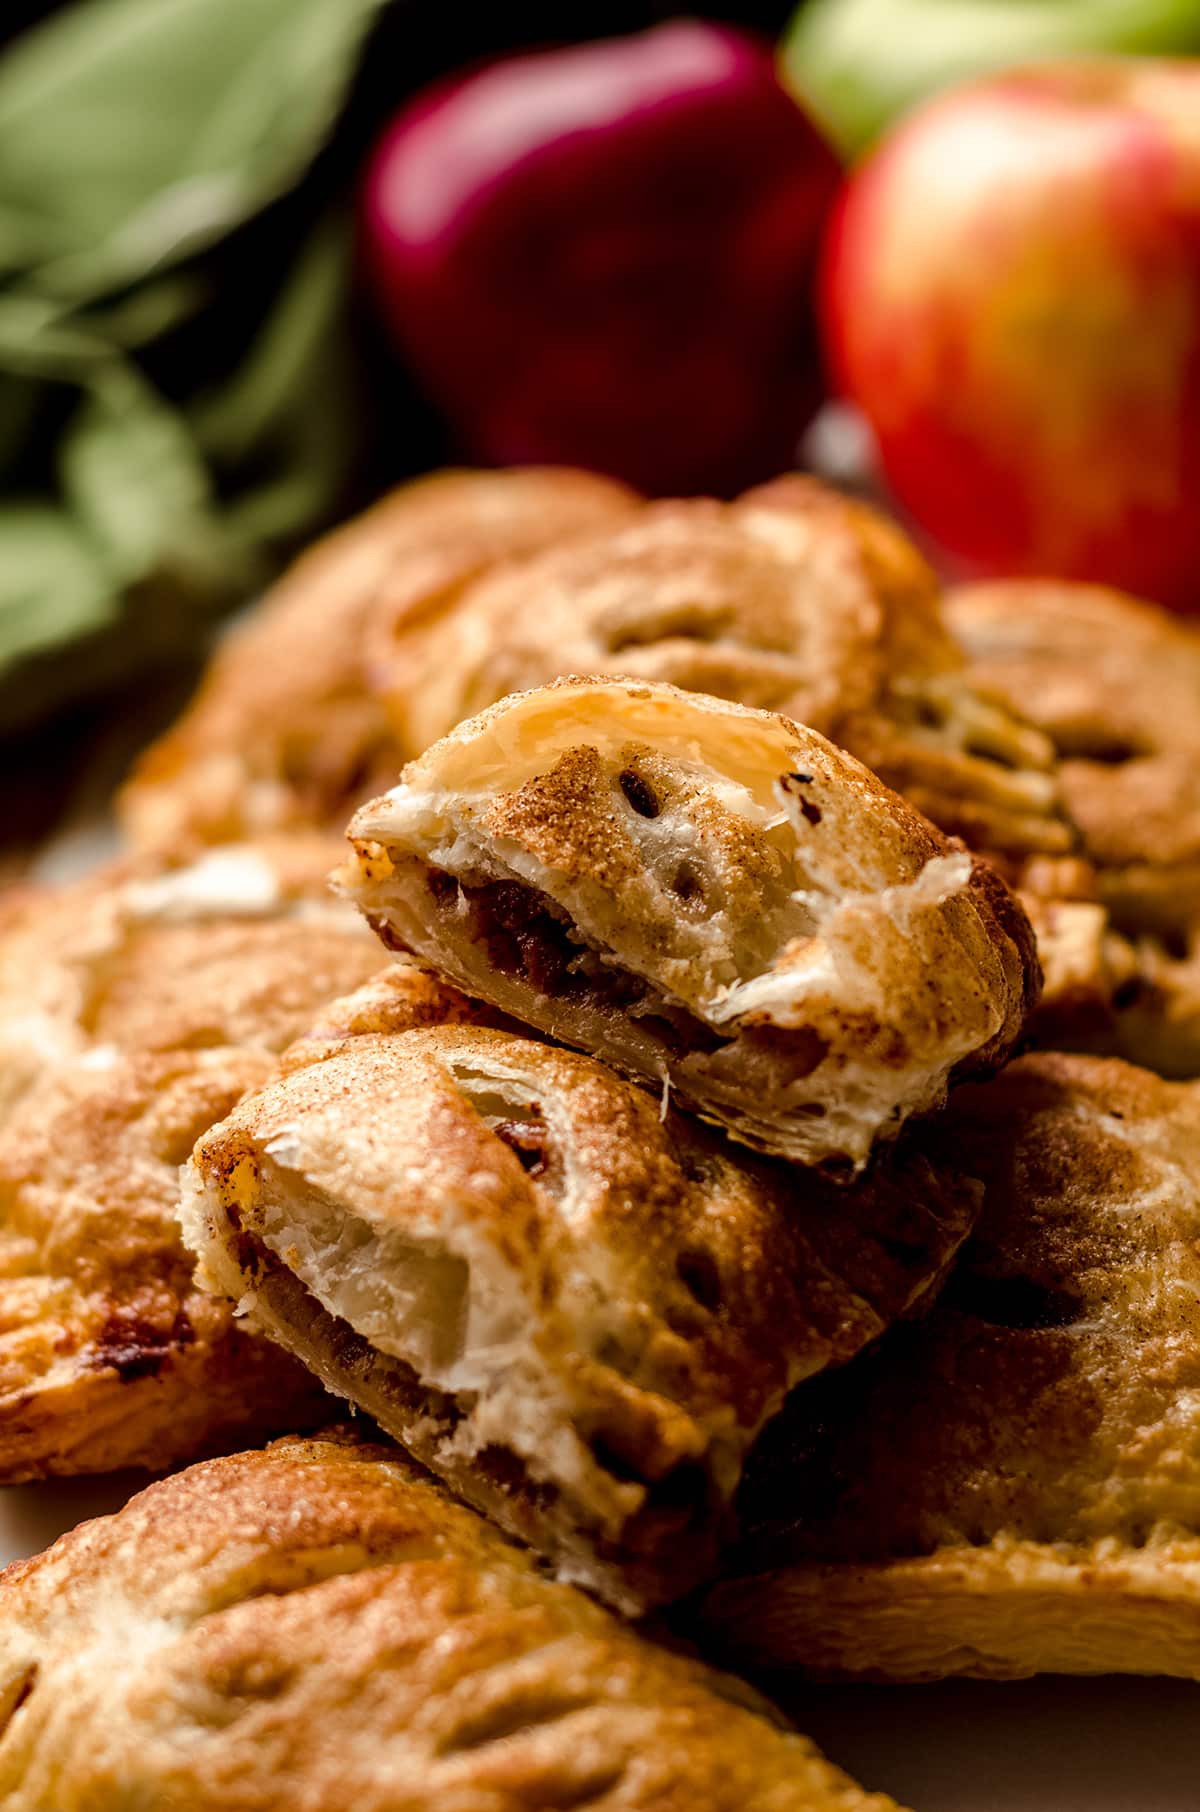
(675, 1510)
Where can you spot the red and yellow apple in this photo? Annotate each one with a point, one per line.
(1011, 294)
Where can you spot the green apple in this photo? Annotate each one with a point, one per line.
(857, 64)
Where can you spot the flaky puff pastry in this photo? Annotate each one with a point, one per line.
(792, 599)
(317, 1626)
(287, 727)
(240, 947)
(705, 896)
(577, 1308)
(1013, 1485)
(110, 1354)
(1115, 684)
(135, 1007)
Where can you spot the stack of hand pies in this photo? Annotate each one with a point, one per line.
(668, 1202)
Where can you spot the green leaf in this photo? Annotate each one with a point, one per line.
(137, 136)
(133, 133)
(134, 480)
(54, 582)
(289, 410)
(859, 64)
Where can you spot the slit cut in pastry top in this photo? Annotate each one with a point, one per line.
(707, 894)
(318, 1625)
(1012, 1483)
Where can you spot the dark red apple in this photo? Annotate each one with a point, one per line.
(604, 255)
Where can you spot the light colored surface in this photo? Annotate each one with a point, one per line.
(1034, 1746)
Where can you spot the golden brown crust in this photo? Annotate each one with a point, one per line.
(403, 997)
(594, 1305)
(135, 1007)
(317, 1625)
(793, 599)
(1115, 683)
(287, 727)
(702, 892)
(1014, 1483)
(110, 1355)
(240, 947)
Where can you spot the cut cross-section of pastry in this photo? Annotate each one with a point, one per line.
(241, 947)
(575, 1307)
(288, 727)
(793, 599)
(1012, 1485)
(318, 1626)
(709, 897)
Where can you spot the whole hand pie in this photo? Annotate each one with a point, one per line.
(576, 1308)
(1012, 1485)
(240, 947)
(1115, 684)
(288, 727)
(708, 897)
(792, 599)
(317, 1626)
(135, 1007)
(110, 1354)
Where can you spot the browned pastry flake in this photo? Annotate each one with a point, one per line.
(287, 727)
(707, 896)
(576, 1308)
(317, 1626)
(1013, 1484)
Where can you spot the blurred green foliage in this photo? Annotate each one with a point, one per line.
(858, 64)
(187, 388)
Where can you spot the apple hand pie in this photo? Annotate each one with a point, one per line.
(135, 1007)
(110, 1354)
(710, 898)
(1115, 684)
(287, 727)
(793, 599)
(1012, 1485)
(318, 1626)
(575, 1307)
(239, 948)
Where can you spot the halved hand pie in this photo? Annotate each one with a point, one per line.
(318, 1626)
(577, 1309)
(1013, 1484)
(792, 599)
(708, 897)
(288, 727)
